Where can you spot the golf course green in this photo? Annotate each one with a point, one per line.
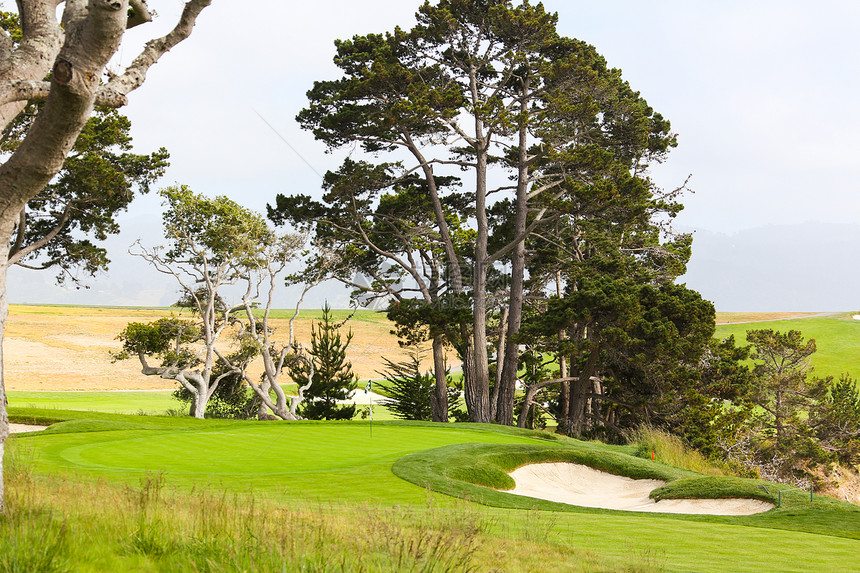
(113, 484)
(313, 461)
(342, 465)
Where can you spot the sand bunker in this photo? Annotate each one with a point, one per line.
(581, 485)
(19, 428)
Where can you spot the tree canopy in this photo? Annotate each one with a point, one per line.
(60, 58)
(505, 127)
(97, 181)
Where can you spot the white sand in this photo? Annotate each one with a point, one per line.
(18, 428)
(581, 485)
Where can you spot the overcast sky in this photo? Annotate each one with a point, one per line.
(763, 94)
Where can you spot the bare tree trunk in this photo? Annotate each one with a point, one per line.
(439, 399)
(477, 396)
(262, 411)
(562, 369)
(199, 408)
(4, 417)
(579, 390)
(500, 360)
(531, 391)
(594, 403)
(564, 396)
(508, 380)
(508, 386)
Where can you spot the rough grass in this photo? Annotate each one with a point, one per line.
(52, 348)
(671, 450)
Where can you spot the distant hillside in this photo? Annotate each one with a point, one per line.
(809, 267)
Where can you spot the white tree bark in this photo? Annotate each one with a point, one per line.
(272, 263)
(77, 51)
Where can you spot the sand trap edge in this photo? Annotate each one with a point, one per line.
(580, 485)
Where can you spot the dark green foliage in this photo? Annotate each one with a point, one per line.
(167, 339)
(220, 228)
(837, 422)
(98, 181)
(232, 399)
(783, 389)
(786, 399)
(10, 22)
(188, 300)
(711, 405)
(644, 343)
(332, 378)
(410, 390)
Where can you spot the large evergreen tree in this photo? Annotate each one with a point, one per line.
(99, 178)
(488, 91)
(786, 396)
(332, 378)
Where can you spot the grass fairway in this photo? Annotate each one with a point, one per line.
(341, 480)
(837, 338)
(151, 403)
(112, 402)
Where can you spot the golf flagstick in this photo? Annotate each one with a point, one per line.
(367, 390)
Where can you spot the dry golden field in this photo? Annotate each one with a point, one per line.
(735, 317)
(55, 348)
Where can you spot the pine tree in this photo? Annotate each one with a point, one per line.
(333, 378)
(409, 389)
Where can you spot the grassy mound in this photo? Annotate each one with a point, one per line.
(475, 471)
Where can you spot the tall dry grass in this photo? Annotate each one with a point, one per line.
(671, 450)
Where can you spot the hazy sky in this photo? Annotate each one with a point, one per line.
(763, 94)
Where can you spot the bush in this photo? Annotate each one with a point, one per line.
(411, 391)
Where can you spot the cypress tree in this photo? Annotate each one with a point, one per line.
(333, 378)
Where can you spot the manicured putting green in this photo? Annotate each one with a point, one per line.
(315, 461)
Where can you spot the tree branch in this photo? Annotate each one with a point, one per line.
(19, 252)
(140, 13)
(135, 74)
